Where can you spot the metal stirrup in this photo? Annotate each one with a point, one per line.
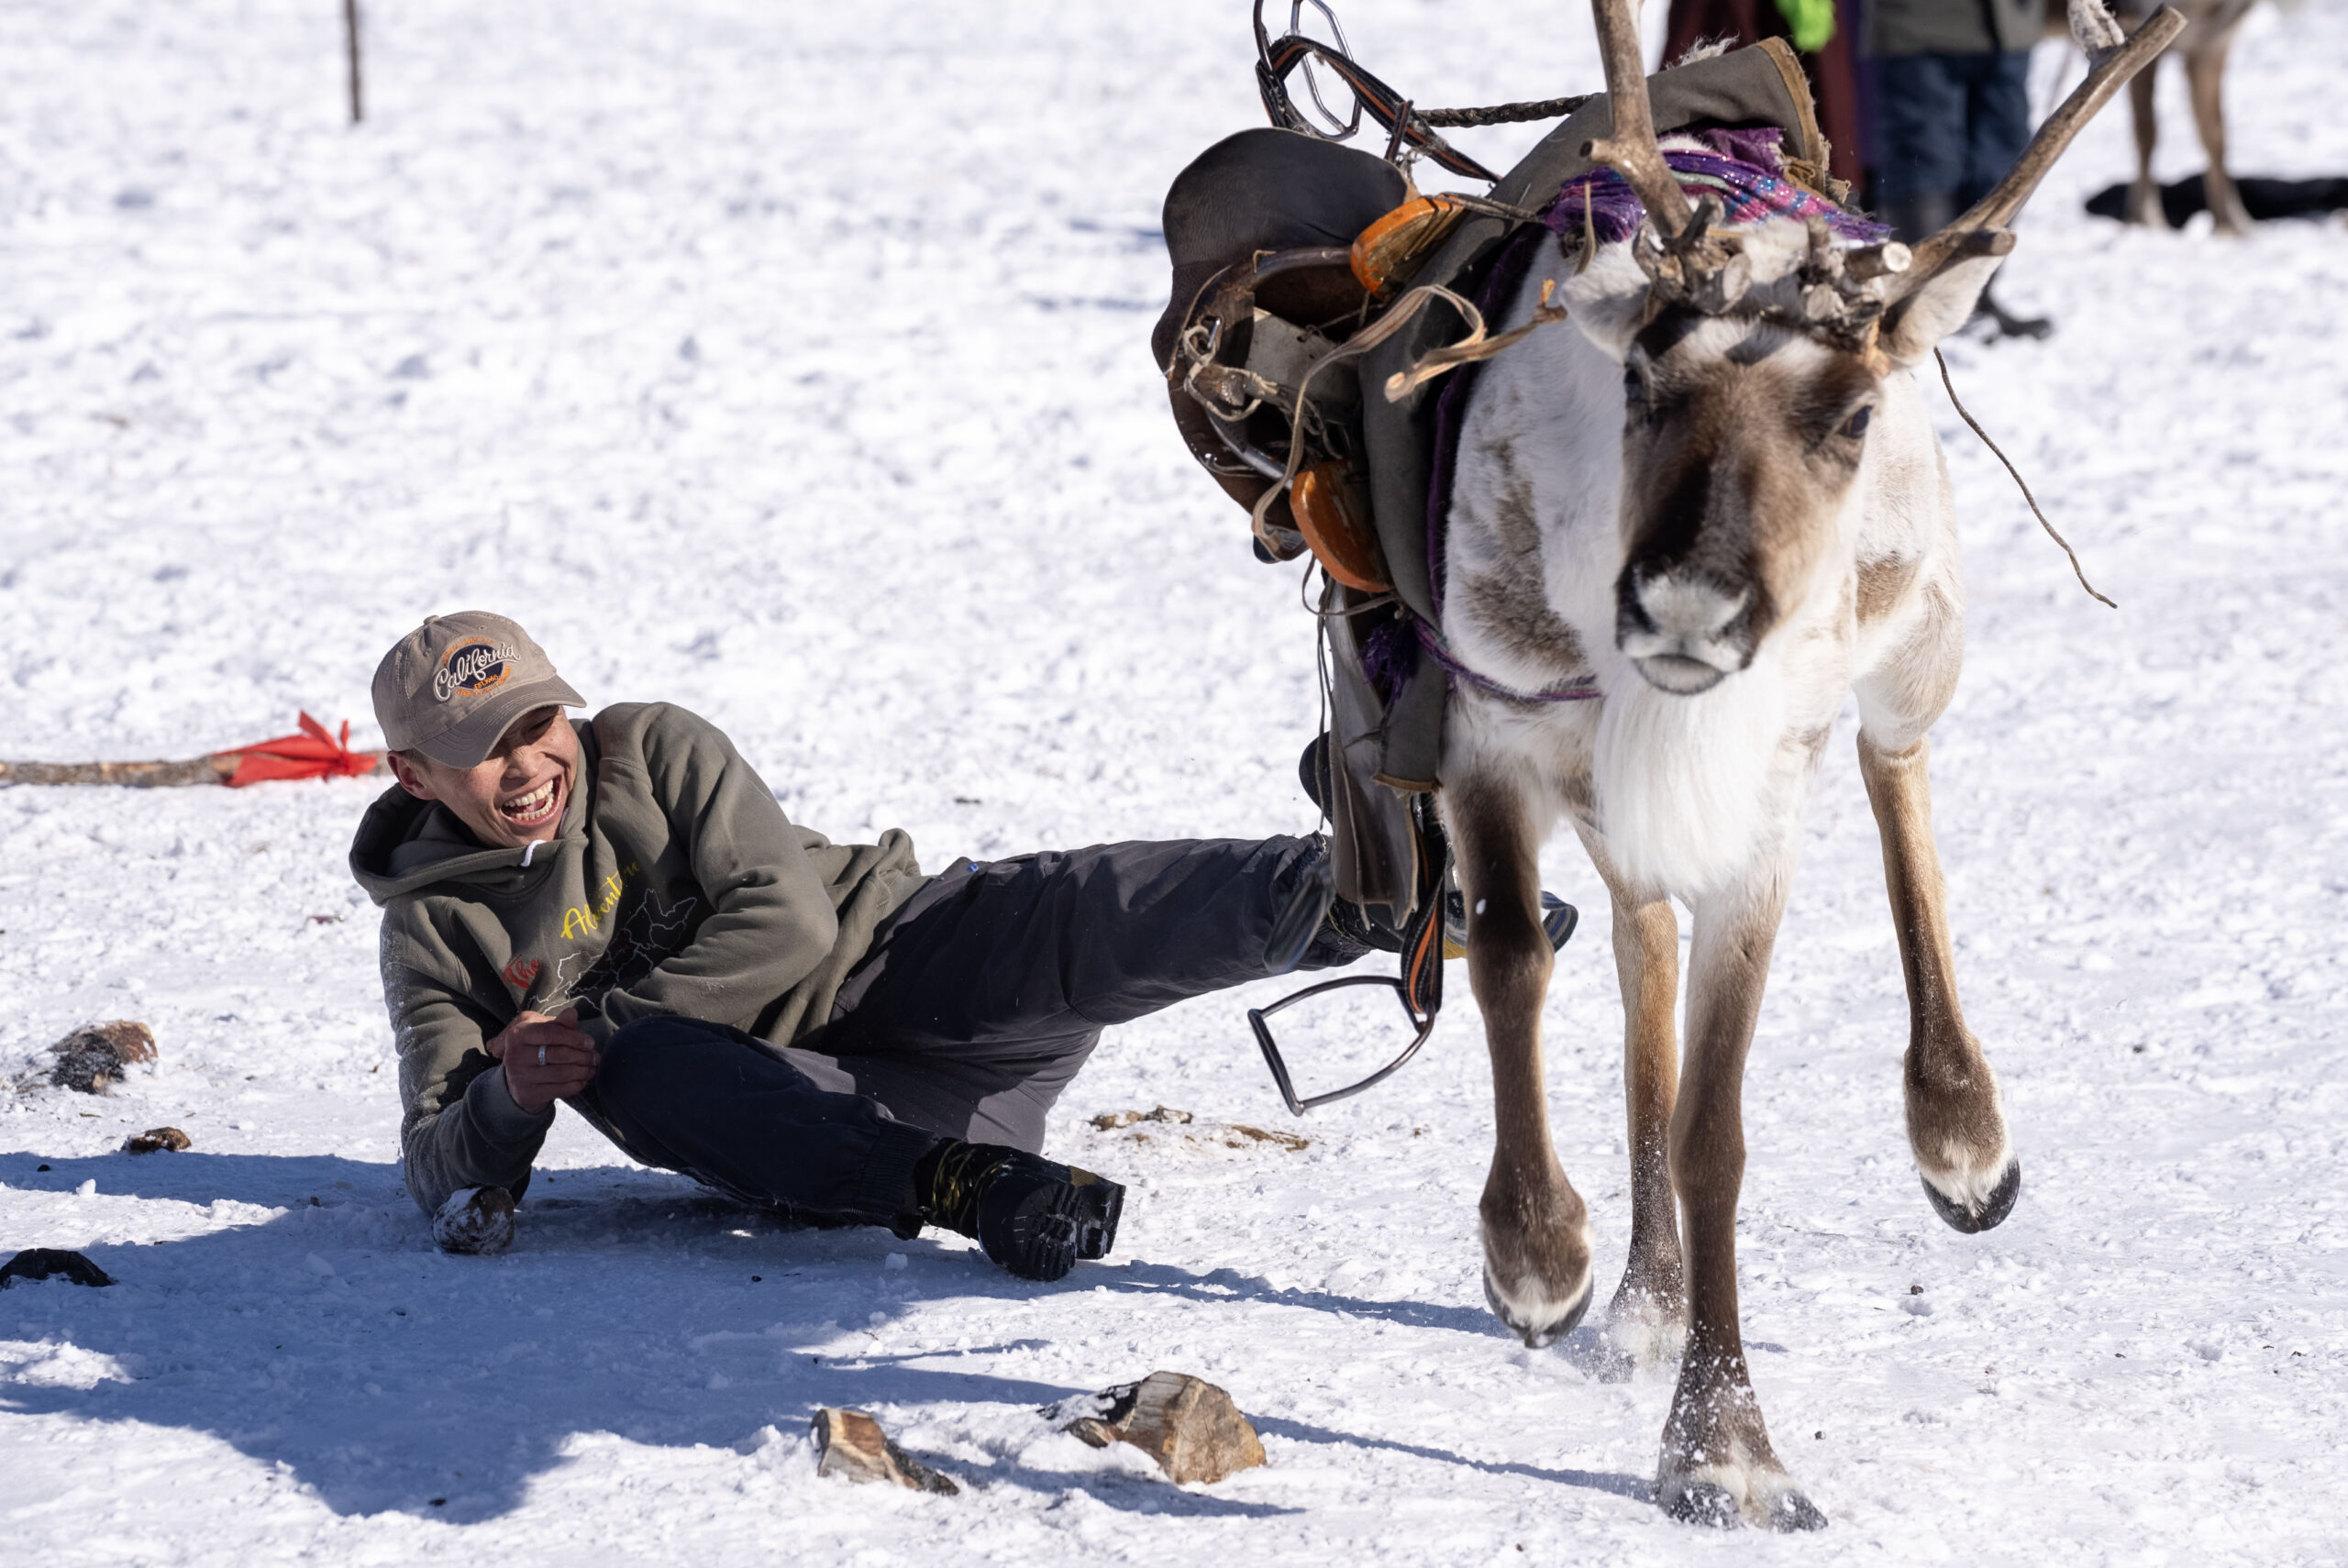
(1420, 986)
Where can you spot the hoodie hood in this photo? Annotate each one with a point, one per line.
(405, 845)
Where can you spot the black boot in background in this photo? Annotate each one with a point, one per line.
(1916, 218)
(2008, 324)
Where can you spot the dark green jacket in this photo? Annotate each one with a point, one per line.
(1952, 27)
(676, 885)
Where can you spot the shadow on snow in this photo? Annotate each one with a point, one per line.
(334, 1338)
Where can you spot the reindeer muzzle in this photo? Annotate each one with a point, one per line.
(1686, 631)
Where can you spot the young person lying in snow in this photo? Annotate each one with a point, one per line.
(614, 912)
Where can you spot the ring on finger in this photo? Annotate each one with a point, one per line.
(542, 1055)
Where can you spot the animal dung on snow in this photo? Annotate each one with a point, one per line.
(1111, 1120)
(851, 1443)
(1188, 1425)
(1230, 1135)
(51, 1263)
(475, 1219)
(156, 1140)
(97, 1055)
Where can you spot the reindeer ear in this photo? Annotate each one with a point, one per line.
(1607, 299)
(1942, 303)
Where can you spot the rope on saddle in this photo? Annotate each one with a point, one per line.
(1479, 345)
(1506, 114)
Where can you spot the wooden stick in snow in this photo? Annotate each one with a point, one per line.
(137, 775)
(313, 753)
(350, 46)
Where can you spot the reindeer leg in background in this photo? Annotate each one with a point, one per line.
(2144, 196)
(2205, 75)
(1648, 1323)
(1717, 1463)
(1536, 1228)
(1954, 1124)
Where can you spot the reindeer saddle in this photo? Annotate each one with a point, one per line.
(1286, 246)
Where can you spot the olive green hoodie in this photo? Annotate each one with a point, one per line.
(676, 884)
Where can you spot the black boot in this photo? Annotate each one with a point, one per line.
(2007, 324)
(1558, 919)
(1310, 922)
(1031, 1216)
(1917, 217)
(1313, 771)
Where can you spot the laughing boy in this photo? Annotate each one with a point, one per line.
(614, 913)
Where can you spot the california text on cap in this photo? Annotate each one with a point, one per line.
(450, 688)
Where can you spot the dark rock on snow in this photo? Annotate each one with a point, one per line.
(51, 1263)
(96, 1055)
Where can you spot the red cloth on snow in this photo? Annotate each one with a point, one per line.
(312, 754)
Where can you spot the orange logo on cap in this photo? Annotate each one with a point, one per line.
(474, 666)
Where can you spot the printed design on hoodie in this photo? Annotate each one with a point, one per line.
(638, 942)
(579, 919)
(648, 934)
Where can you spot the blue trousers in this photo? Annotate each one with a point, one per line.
(1952, 124)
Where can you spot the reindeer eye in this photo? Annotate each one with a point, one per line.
(1856, 425)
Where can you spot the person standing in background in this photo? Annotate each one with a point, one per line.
(1952, 101)
(1824, 47)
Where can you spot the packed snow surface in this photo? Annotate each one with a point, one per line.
(789, 362)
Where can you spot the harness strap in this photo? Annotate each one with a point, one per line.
(1564, 692)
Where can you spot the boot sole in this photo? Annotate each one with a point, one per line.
(1060, 1224)
(1099, 1204)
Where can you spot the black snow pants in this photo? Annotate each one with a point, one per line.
(975, 1006)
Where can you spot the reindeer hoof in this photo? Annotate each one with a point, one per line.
(1539, 1326)
(1701, 1503)
(1974, 1218)
(1790, 1511)
(1715, 1506)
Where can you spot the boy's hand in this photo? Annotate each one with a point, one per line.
(546, 1058)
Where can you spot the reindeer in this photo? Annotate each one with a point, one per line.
(2210, 28)
(1716, 492)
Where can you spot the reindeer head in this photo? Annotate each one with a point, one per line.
(1752, 363)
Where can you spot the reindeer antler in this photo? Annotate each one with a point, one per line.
(2112, 57)
(1630, 148)
(1684, 260)
(1839, 294)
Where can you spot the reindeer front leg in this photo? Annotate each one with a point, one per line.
(1536, 1228)
(1717, 1464)
(1648, 1323)
(1954, 1124)
(2144, 192)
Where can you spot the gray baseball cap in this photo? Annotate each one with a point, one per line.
(450, 688)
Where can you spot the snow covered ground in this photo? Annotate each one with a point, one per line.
(790, 363)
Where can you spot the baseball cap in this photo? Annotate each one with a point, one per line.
(450, 688)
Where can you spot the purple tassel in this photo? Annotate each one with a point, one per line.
(1390, 658)
(1746, 170)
